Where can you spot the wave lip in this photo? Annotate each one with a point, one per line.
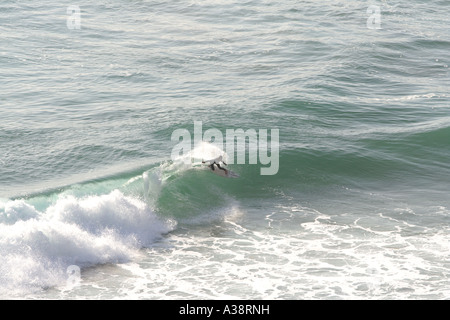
(37, 247)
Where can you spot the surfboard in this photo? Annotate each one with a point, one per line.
(226, 174)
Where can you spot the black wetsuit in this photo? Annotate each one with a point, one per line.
(218, 166)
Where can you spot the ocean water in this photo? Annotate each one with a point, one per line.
(94, 206)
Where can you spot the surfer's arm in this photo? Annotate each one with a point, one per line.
(215, 160)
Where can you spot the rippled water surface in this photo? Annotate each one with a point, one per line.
(359, 91)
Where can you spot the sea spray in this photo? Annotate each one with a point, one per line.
(37, 247)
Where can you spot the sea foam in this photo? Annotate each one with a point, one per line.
(37, 247)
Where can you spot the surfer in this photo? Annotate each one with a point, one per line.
(217, 164)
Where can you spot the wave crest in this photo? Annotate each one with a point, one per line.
(37, 247)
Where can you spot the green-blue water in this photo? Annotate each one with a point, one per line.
(359, 207)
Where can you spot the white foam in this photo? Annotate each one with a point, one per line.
(322, 257)
(207, 151)
(37, 247)
(13, 211)
(204, 151)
